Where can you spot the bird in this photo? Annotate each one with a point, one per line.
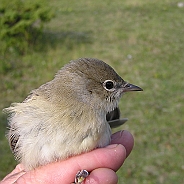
(67, 116)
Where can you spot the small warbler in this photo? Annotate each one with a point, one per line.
(68, 115)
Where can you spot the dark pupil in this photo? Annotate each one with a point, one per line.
(109, 85)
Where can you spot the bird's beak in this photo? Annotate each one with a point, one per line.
(130, 87)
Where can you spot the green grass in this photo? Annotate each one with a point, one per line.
(144, 42)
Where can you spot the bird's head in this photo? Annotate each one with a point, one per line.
(95, 83)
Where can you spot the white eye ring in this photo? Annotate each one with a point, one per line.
(109, 85)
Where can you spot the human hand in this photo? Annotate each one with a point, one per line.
(102, 163)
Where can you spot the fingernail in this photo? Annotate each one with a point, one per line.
(118, 135)
(122, 132)
(112, 146)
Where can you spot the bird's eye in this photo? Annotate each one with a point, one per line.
(108, 85)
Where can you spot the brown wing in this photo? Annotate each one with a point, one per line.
(113, 118)
(115, 114)
(13, 142)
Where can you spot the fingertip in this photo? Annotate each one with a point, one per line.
(119, 150)
(102, 175)
(125, 138)
(118, 156)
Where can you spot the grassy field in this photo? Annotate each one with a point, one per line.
(144, 42)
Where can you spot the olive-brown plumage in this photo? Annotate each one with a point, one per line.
(68, 115)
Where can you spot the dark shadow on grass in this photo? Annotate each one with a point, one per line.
(49, 39)
(39, 42)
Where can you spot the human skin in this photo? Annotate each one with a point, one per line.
(102, 163)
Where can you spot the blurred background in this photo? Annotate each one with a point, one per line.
(142, 40)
